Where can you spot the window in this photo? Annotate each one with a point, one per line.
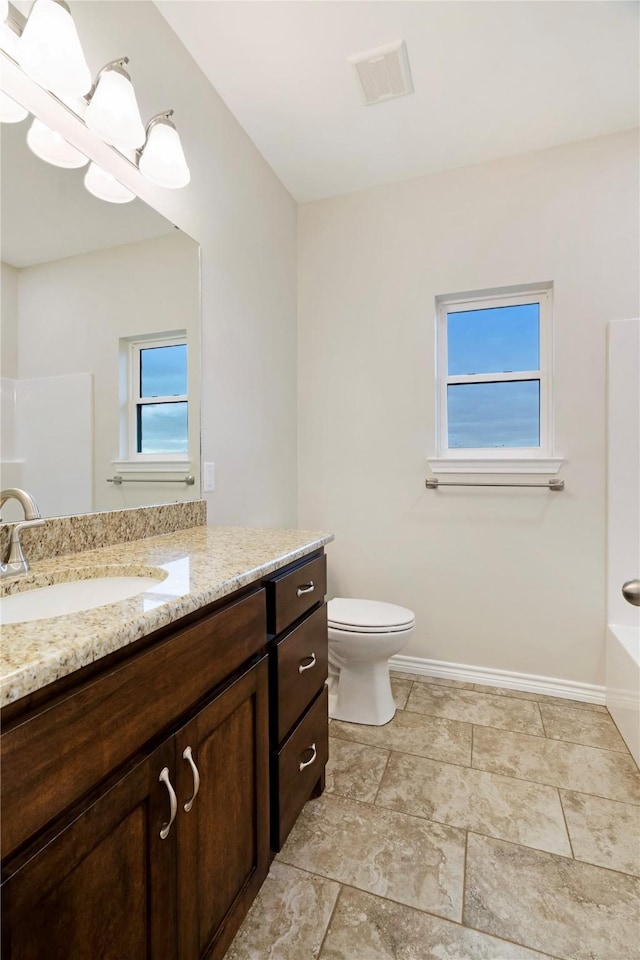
(158, 399)
(493, 377)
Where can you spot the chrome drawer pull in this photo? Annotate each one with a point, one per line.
(307, 666)
(305, 588)
(188, 756)
(164, 778)
(309, 762)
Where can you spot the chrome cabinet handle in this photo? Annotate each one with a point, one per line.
(309, 762)
(307, 666)
(631, 592)
(173, 801)
(305, 588)
(188, 756)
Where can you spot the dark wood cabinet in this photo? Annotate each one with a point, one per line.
(298, 658)
(103, 886)
(142, 805)
(223, 839)
(128, 871)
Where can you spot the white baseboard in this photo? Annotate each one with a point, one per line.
(549, 686)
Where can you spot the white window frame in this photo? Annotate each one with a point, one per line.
(496, 459)
(134, 400)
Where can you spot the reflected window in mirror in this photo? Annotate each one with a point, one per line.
(158, 397)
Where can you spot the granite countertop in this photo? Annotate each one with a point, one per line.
(199, 565)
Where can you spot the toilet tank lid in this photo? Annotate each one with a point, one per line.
(367, 614)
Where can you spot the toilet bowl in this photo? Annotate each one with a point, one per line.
(363, 634)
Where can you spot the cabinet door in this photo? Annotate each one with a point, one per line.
(223, 839)
(103, 887)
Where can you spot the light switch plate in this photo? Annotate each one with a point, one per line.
(209, 479)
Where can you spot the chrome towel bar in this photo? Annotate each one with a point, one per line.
(432, 483)
(118, 480)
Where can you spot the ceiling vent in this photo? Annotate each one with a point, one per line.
(384, 72)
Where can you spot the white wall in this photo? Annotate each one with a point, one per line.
(73, 313)
(9, 321)
(245, 221)
(10, 465)
(513, 580)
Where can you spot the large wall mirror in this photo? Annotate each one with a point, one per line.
(82, 279)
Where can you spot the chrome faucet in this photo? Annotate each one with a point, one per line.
(16, 562)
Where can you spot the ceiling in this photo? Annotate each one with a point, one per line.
(491, 79)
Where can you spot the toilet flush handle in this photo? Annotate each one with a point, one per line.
(305, 588)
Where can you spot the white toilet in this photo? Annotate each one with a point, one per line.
(363, 634)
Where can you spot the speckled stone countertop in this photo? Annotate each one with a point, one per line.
(198, 566)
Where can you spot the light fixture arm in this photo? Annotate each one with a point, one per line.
(116, 65)
(164, 117)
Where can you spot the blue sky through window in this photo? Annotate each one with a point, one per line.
(494, 340)
(162, 427)
(163, 371)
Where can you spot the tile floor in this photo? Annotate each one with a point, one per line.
(480, 824)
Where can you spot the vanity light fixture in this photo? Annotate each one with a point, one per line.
(10, 111)
(161, 160)
(102, 185)
(51, 147)
(113, 111)
(49, 50)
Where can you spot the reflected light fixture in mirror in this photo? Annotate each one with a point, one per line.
(10, 111)
(162, 159)
(52, 148)
(102, 185)
(113, 111)
(49, 50)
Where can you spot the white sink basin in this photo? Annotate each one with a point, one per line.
(60, 599)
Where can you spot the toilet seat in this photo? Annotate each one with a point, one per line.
(368, 616)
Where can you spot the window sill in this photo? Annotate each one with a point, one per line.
(497, 465)
(152, 466)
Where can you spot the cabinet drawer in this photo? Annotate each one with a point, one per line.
(299, 765)
(55, 756)
(292, 594)
(301, 669)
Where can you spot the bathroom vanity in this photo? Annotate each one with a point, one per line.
(145, 792)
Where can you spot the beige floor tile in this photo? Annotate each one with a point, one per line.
(441, 681)
(413, 733)
(354, 769)
(558, 906)
(469, 706)
(570, 766)
(503, 807)
(288, 918)
(604, 832)
(411, 861)
(364, 927)
(400, 690)
(581, 726)
(539, 697)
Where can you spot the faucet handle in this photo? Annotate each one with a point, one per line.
(16, 560)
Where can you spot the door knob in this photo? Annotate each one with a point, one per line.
(631, 592)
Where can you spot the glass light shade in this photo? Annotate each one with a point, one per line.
(51, 147)
(49, 51)
(102, 185)
(113, 111)
(10, 111)
(162, 160)
(4, 10)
